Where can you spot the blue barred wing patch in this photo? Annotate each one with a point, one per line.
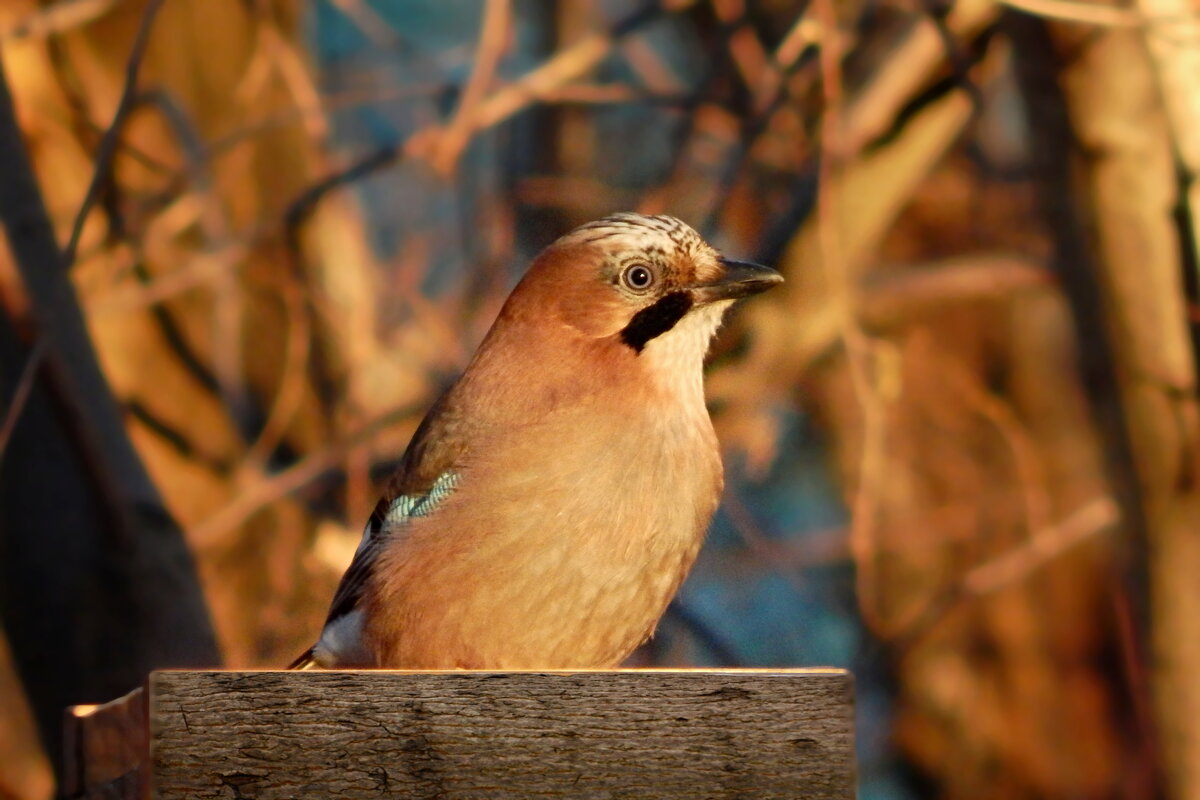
(341, 641)
(407, 506)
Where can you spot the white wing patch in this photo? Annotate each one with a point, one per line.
(341, 643)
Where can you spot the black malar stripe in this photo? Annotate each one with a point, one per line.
(656, 319)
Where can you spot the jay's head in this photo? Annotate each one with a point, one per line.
(648, 286)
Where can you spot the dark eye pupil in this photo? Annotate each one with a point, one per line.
(638, 277)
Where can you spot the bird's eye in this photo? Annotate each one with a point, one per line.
(638, 277)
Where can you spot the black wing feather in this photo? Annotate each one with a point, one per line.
(431, 455)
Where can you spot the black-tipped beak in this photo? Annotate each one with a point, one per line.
(739, 279)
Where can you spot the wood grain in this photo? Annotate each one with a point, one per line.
(105, 748)
(604, 734)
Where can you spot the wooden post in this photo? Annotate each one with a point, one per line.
(105, 749)
(357, 734)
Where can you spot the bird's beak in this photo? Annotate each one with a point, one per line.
(738, 279)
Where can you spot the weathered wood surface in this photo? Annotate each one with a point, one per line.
(606, 734)
(105, 749)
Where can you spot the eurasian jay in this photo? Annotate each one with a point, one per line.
(553, 499)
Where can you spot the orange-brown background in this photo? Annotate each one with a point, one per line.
(952, 192)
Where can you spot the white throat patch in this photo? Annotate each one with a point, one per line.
(676, 358)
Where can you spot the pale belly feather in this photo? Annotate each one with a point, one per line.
(563, 567)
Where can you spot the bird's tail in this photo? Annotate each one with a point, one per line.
(307, 660)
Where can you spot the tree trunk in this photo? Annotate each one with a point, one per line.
(97, 587)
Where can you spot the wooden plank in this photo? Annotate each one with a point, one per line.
(604, 734)
(105, 748)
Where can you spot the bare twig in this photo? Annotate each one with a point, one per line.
(564, 67)
(292, 376)
(215, 530)
(745, 48)
(110, 141)
(291, 67)
(1173, 41)
(1028, 463)
(858, 347)
(199, 269)
(1043, 546)
(369, 22)
(299, 210)
(804, 33)
(497, 19)
(537, 85)
(1010, 567)
(1074, 11)
(21, 393)
(897, 296)
(875, 108)
(57, 18)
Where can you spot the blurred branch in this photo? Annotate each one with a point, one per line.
(213, 532)
(274, 49)
(1073, 11)
(291, 384)
(1107, 181)
(1027, 461)
(745, 49)
(537, 85)
(874, 109)
(870, 193)
(1043, 546)
(857, 203)
(895, 297)
(90, 549)
(804, 33)
(20, 394)
(199, 269)
(71, 363)
(111, 139)
(497, 20)
(1007, 570)
(300, 209)
(603, 93)
(839, 276)
(771, 88)
(1173, 39)
(369, 22)
(56, 18)
(560, 69)
(652, 74)
(563, 67)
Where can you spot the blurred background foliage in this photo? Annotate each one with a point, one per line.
(961, 441)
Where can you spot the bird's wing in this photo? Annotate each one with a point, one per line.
(427, 475)
(391, 514)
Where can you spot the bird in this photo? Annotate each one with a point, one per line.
(553, 499)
